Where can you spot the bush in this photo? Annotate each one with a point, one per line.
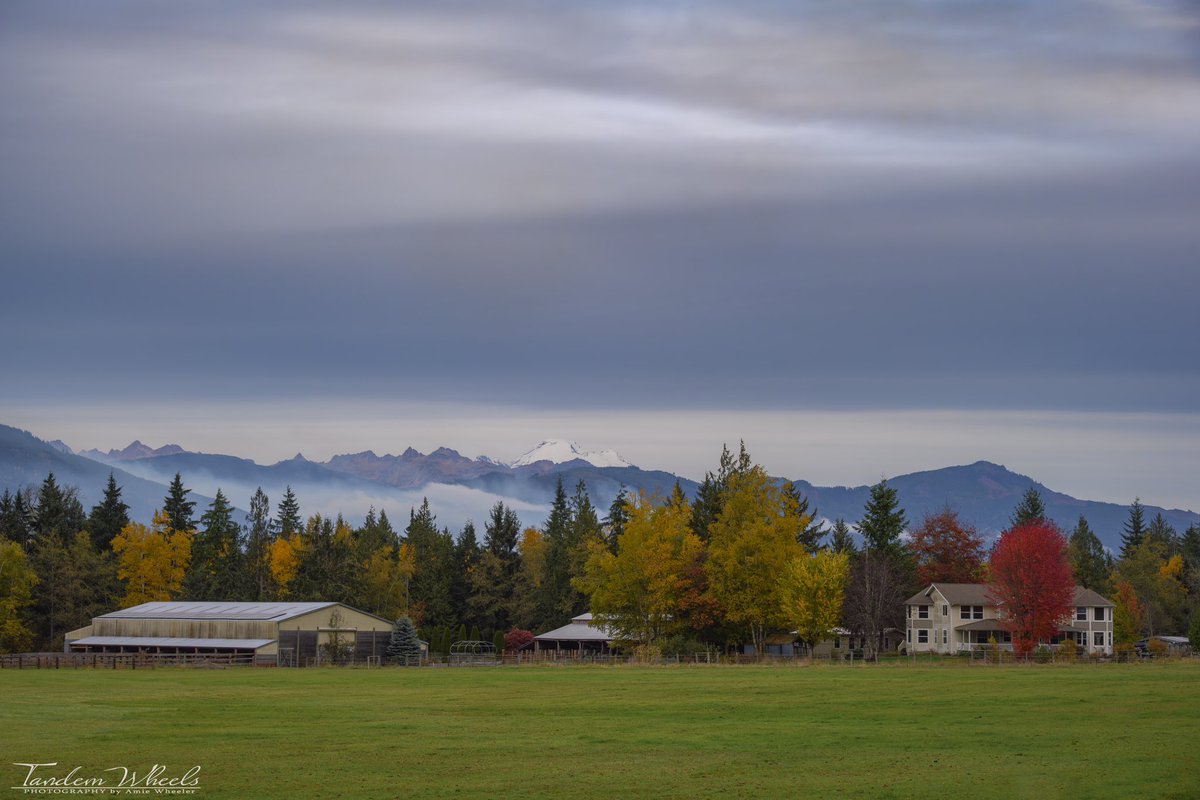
(647, 654)
(1123, 651)
(1068, 650)
(1042, 654)
(517, 638)
(1157, 647)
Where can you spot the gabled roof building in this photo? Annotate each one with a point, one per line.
(952, 617)
(581, 635)
(272, 633)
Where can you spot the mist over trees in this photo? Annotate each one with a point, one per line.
(744, 561)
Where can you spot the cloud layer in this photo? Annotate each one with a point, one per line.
(759, 207)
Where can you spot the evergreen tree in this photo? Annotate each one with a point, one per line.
(328, 569)
(75, 583)
(376, 532)
(1135, 528)
(618, 517)
(1030, 509)
(841, 540)
(177, 507)
(554, 594)
(498, 642)
(216, 570)
(1161, 531)
(404, 647)
(1090, 563)
(1189, 547)
(493, 590)
(259, 535)
(466, 561)
(883, 521)
(710, 497)
(108, 517)
(474, 635)
(814, 531)
(433, 550)
(16, 519)
(58, 512)
(287, 519)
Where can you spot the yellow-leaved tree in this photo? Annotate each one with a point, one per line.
(751, 543)
(638, 592)
(384, 582)
(813, 589)
(17, 580)
(152, 561)
(283, 559)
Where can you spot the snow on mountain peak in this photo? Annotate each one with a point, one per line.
(560, 451)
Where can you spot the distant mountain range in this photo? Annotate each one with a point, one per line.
(461, 488)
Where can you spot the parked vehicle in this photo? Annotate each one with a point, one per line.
(1153, 646)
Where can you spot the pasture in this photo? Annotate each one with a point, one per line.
(617, 732)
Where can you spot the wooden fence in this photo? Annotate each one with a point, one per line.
(120, 660)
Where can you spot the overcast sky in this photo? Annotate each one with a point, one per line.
(869, 237)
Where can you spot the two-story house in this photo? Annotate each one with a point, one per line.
(949, 617)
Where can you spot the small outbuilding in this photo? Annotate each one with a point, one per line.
(287, 634)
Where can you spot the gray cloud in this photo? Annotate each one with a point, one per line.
(634, 205)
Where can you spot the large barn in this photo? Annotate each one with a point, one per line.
(288, 634)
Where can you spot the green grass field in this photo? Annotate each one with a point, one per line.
(887, 731)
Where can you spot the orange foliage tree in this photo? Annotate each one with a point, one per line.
(946, 550)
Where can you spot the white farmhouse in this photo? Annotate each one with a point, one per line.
(952, 617)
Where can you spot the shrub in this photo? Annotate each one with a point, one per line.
(1157, 647)
(1068, 650)
(517, 638)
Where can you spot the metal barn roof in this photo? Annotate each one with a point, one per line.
(170, 641)
(276, 612)
(577, 630)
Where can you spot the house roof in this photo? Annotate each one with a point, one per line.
(981, 625)
(1086, 597)
(171, 641)
(276, 612)
(975, 594)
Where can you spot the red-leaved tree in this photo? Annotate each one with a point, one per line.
(946, 550)
(516, 638)
(1031, 582)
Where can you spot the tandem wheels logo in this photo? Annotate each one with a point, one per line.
(49, 778)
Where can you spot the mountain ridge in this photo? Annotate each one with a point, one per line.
(983, 492)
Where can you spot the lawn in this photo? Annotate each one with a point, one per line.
(887, 731)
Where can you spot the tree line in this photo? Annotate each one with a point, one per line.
(742, 561)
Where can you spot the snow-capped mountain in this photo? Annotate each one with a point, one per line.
(560, 451)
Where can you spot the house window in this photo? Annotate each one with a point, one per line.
(923, 636)
(945, 610)
(964, 612)
(945, 636)
(908, 635)
(837, 643)
(1099, 613)
(1098, 638)
(971, 612)
(909, 610)
(1081, 613)
(922, 612)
